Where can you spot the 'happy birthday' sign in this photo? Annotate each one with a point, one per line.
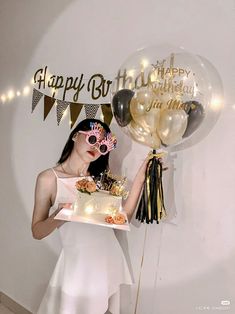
(97, 85)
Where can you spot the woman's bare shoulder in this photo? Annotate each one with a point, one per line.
(46, 176)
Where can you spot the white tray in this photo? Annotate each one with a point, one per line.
(68, 215)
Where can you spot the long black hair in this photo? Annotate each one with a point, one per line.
(95, 167)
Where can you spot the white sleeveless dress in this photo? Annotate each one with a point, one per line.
(90, 268)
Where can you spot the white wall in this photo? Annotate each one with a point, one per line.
(188, 263)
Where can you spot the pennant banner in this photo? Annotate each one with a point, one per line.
(75, 109)
(107, 113)
(36, 98)
(48, 104)
(60, 109)
(91, 110)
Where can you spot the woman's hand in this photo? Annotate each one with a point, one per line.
(132, 200)
(140, 175)
(60, 206)
(135, 192)
(42, 223)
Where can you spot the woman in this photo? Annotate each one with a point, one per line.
(91, 265)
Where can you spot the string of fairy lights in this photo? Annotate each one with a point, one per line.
(12, 93)
(25, 91)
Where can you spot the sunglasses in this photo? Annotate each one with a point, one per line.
(97, 137)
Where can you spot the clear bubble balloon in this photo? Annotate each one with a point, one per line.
(214, 107)
(166, 94)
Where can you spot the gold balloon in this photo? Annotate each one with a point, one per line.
(144, 95)
(145, 109)
(139, 134)
(172, 125)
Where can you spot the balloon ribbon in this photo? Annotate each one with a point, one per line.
(151, 206)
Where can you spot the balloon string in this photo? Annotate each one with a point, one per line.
(141, 266)
(157, 266)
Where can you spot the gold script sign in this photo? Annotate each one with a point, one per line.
(97, 85)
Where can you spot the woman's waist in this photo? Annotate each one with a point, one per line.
(80, 234)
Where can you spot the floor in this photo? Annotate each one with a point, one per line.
(4, 310)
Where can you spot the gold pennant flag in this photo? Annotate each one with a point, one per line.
(75, 109)
(107, 112)
(48, 104)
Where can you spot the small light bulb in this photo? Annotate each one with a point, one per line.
(153, 76)
(89, 209)
(145, 63)
(3, 98)
(26, 90)
(18, 93)
(216, 104)
(65, 113)
(131, 72)
(10, 94)
(48, 75)
(101, 117)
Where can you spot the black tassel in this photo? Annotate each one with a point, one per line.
(151, 206)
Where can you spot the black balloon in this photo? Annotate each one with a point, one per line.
(196, 115)
(121, 106)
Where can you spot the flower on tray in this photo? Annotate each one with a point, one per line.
(109, 219)
(118, 219)
(86, 186)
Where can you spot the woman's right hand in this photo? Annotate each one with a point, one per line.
(44, 223)
(60, 206)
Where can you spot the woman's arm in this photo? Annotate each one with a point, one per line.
(133, 197)
(42, 223)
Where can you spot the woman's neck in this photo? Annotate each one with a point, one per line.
(75, 166)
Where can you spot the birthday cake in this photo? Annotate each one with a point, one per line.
(98, 205)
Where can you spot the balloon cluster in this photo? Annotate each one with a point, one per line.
(161, 96)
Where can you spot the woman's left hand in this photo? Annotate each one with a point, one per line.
(140, 176)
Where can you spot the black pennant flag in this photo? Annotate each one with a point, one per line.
(75, 109)
(107, 112)
(48, 104)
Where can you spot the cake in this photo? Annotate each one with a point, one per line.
(96, 203)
